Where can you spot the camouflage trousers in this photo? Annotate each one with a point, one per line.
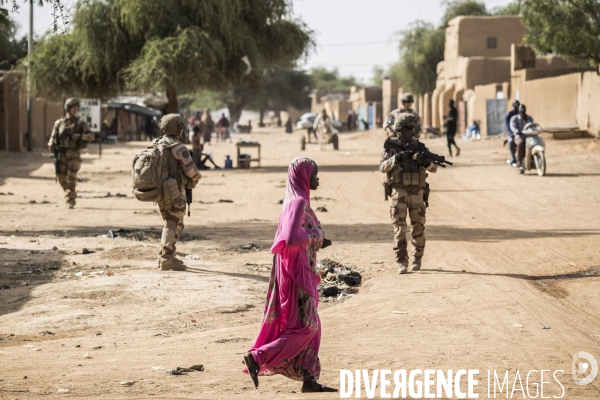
(408, 203)
(69, 163)
(172, 213)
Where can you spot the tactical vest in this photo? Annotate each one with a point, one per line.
(407, 173)
(66, 128)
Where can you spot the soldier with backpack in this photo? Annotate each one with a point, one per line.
(161, 174)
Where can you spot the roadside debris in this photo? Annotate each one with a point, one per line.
(46, 333)
(63, 390)
(545, 327)
(86, 251)
(321, 209)
(251, 246)
(192, 257)
(127, 383)
(338, 280)
(225, 201)
(176, 371)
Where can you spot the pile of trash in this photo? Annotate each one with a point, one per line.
(145, 235)
(338, 281)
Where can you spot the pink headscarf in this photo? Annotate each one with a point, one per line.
(295, 203)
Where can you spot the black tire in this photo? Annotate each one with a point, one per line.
(336, 141)
(302, 143)
(540, 163)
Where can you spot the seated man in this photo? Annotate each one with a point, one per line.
(473, 131)
(517, 124)
(200, 158)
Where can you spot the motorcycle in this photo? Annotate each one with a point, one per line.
(535, 149)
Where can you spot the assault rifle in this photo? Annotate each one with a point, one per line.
(424, 154)
(188, 195)
(56, 155)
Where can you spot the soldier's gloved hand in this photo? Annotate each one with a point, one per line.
(326, 243)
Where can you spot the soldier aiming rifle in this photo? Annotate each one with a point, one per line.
(405, 162)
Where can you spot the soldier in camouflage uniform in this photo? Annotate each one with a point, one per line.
(407, 101)
(69, 135)
(407, 180)
(181, 167)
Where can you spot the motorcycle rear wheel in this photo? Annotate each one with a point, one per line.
(540, 163)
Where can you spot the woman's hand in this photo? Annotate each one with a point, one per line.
(326, 243)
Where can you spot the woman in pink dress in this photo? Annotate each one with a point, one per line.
(290, 334)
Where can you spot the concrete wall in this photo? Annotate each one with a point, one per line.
(13, 115)
(468, 36)
(588, 109)
(12, 106)
(389, 95)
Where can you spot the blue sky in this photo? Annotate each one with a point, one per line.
(352, 35)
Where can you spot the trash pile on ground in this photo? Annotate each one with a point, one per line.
(150, 236)
(338, 281)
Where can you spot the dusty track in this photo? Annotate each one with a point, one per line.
(502, 250)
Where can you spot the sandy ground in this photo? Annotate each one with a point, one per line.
(502, 250)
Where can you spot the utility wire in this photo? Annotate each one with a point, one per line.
(355, 44)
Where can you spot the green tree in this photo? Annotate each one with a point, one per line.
(57, 11)
(569, 28)
(421, 49)
(281, 88)
(456, 8)
(322, 78)
(170, 45)
(11, 48)
(512, 8)
(378, 74)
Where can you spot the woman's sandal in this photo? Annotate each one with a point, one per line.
(321, 388)
(253, 372)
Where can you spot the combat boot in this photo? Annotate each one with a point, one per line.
(171, 264)
(402, 267)
(415, 265)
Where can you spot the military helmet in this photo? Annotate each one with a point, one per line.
(408, 98)
(73, 101)
(172, 125)
(405, 121)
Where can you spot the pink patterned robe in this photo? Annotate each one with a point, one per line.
(290, 335)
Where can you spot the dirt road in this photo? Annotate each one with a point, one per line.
(506, 254)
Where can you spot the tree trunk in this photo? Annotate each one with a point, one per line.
(261, 124)
(237, 104)
(173, 104)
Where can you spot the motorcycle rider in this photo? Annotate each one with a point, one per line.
(517, 124)
(510, 134)
(407, 101)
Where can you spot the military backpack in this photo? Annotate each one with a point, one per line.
(150, 175)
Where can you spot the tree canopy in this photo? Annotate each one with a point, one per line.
(422, 45)
(57, 11)
(170, 45)
(322, 78)
(456, 8)
(421, 49)
(11, 48)
(569, 28)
